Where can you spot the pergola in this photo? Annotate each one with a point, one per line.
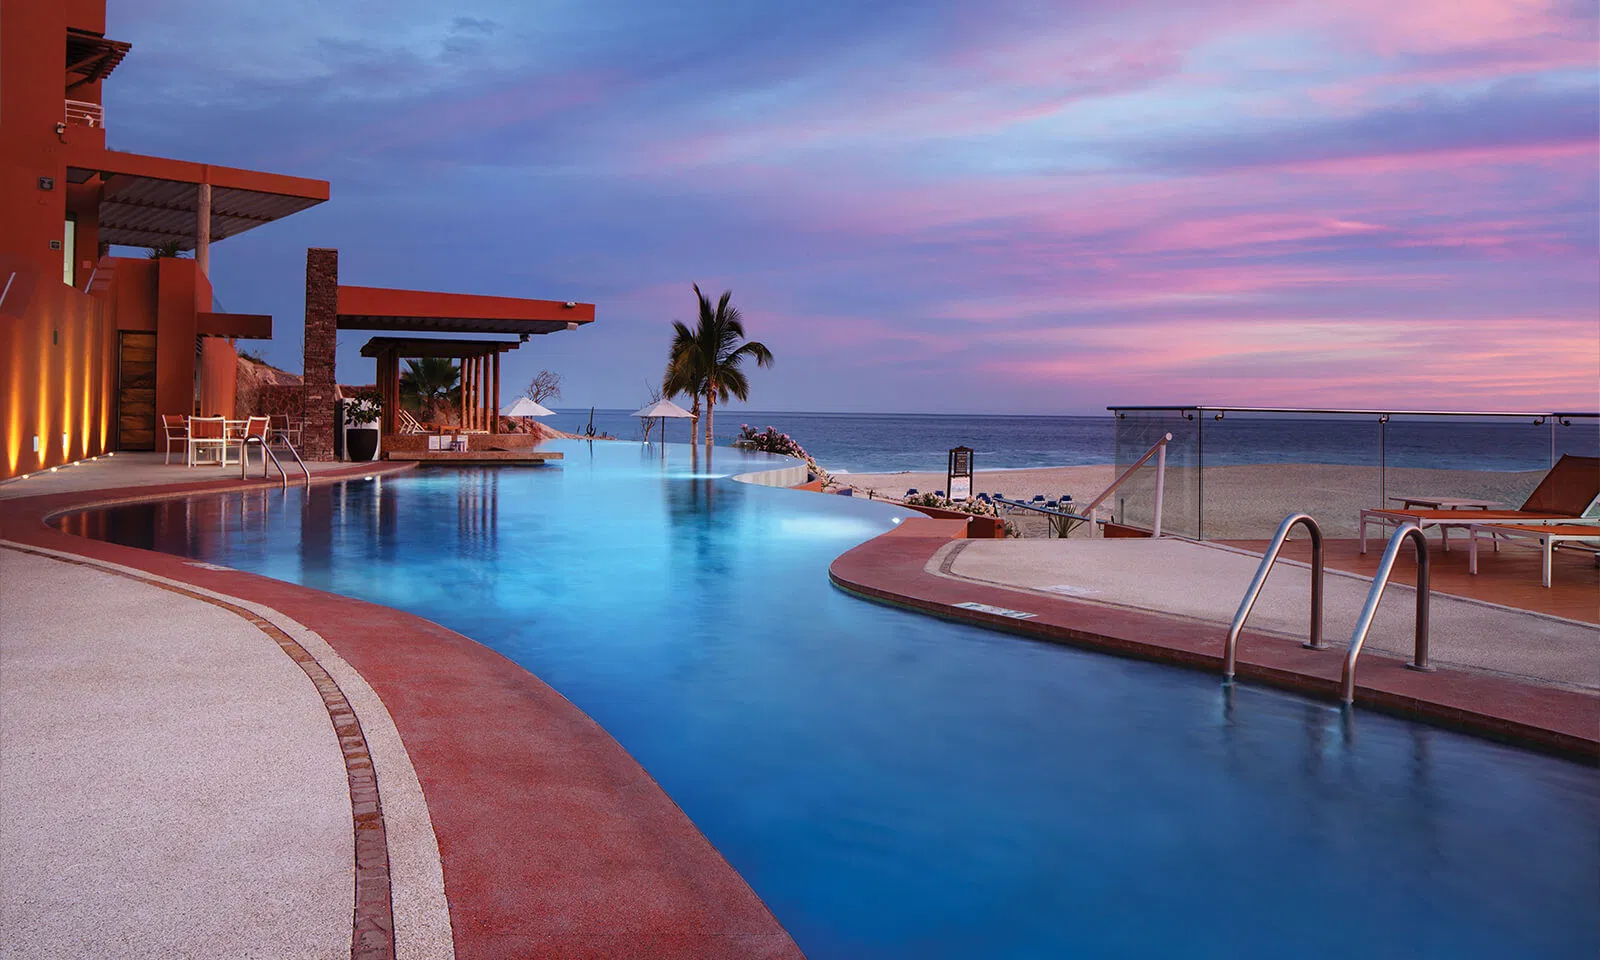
(419, 323)
(480, 375)
(152, 201)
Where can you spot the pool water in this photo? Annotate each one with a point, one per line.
(898, 786)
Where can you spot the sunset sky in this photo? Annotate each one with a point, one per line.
(1035, 207)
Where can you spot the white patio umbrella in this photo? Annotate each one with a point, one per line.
(526, 408)
(665, 408)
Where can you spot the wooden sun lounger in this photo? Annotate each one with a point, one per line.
(408, 423)
(1549, 538)
(1567, 492)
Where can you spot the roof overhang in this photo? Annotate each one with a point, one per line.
(427, 347)
(151, 201)
(381, 308)
(243, 326)
(91, 57)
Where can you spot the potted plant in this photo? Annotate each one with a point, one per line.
(361, 427)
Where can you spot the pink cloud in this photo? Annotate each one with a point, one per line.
(1339, 362)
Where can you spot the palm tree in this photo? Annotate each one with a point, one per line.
(707, 361)
(684, 372)
(428, 382)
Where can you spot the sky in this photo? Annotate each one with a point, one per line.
(1029, 207)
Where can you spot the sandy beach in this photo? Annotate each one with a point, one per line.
(1239, 502)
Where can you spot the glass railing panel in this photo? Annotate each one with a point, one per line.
(1261, 467)
(1576, 434)
(1133, 503)
(1498, 460)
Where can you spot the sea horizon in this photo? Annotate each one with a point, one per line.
(869, 443)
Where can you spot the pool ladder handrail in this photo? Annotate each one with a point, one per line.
(1419, 657)
(266, 449)
(1267, 560)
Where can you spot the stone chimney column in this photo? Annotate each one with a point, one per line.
(322, 310)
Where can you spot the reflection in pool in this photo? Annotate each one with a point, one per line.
(898, 786)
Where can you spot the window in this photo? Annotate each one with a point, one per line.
(69, 260)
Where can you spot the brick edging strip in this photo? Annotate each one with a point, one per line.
(372, 920)
(891, 569)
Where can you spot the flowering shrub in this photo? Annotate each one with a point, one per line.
(771, 441)
(974, 506)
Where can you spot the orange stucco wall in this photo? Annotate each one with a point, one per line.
(56, 343)
(219, 378)
(57, 378)
(181, 291)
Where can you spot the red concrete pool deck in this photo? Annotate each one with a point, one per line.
(554, 842)
(892, 569)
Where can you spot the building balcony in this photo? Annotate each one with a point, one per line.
(81, 113)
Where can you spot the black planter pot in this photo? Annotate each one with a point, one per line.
(361, 443)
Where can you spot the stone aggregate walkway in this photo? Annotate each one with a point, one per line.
(171, 784)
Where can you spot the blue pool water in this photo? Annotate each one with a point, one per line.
(897, 786)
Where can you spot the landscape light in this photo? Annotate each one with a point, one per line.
(54, 469)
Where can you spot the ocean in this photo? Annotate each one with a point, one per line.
(885, 443)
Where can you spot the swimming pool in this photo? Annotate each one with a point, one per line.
(898, 786)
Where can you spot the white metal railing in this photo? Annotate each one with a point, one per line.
(1157, 450)
(86, 114)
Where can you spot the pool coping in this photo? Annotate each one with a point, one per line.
(892, 569)
(541, 854)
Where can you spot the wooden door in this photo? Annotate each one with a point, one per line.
(136, 391)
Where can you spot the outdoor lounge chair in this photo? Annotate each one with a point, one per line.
(1566, 493)
(176, 430)
(1549, 537)
(408, 423)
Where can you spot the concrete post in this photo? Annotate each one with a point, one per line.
(202, 231)
(322, 317)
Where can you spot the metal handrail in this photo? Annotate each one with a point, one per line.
(1060, 520)
(284, 439)
(1260, 581)
(1157, 450)
(1419, 656)
(266, 448)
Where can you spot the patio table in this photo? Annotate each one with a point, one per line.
(1447, 503)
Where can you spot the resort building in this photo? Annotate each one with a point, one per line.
(95, 348)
